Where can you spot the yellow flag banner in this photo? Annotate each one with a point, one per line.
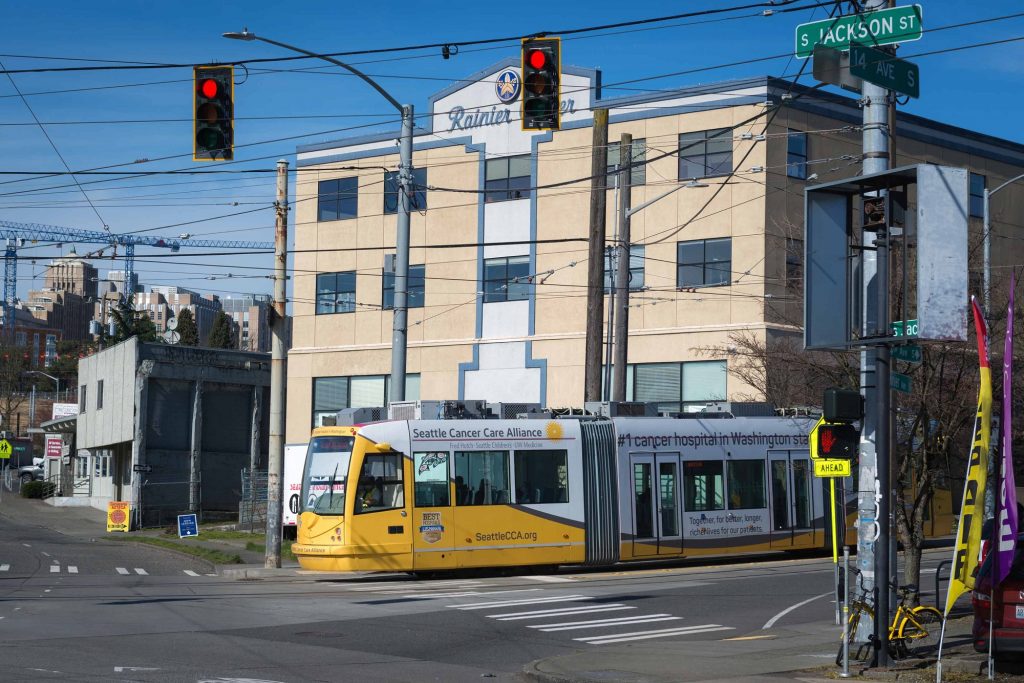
(972, 510)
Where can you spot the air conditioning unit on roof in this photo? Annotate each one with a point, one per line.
(437, 410)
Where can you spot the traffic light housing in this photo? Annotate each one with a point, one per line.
(213, 98)
(836, 441)
(542, 77)
(842, 405)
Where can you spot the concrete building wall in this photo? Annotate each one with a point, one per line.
(114, 422)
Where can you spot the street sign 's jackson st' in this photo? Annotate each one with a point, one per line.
(884, 27)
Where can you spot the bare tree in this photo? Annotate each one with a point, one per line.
(13, 363)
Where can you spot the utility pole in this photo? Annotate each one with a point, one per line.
(874, 496)
(622, 268)
(278, 361)
(400, 326)
(595, 266)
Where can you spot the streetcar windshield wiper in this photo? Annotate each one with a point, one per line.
(334, 477)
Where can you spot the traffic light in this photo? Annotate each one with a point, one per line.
(838, 441)
(214, 113)
(542, 75)
(842, 405)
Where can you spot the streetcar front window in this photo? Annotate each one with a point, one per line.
(323, 479)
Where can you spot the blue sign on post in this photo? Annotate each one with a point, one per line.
(187, 526)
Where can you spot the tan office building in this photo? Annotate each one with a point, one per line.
(498, 265)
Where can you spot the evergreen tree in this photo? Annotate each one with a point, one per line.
(187, 330)
(130, 323)
(221, 336)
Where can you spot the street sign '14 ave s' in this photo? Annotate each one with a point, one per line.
(884, 70)
(883, 27)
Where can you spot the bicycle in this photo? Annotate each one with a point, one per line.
(914, 630)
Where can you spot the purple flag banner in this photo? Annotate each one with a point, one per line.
(1006, 513)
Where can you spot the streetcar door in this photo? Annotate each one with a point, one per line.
(380, 526)
(433, 515)
(792, 492)
(656, 505)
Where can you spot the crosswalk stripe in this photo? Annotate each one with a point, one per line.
(54, 568)
(550, 579)
(122, 570)
(463, 594)
(426, 587)
(564, 612)
(4, 567)
(141, 571)
(190, 572)
(645, 635)
(72, 569)
(510, 603)
(605, 623)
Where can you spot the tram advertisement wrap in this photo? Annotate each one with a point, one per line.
(725, 438)
(721, 524)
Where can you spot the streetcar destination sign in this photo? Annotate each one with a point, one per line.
(882, 27)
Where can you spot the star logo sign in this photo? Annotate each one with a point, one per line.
(507, 86)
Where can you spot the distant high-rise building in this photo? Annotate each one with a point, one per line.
(204, 307)
(115, 283)
(251, 316)
(71, 274)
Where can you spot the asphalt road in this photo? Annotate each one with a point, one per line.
(177, 621)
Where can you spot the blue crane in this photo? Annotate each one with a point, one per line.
(16, 234)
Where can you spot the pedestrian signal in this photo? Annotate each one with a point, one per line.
(542, 75)
(834, 441)
(213, 113)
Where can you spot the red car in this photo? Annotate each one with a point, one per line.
(1007, 613)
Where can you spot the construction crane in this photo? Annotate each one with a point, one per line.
(17, 234)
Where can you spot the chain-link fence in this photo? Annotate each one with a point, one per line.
(252, 508)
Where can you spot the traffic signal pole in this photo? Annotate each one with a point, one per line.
(874, 495)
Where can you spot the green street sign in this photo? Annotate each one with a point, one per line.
(883, 27)
(899, 382)
(908, 352)
(912, 328)
(884, 70)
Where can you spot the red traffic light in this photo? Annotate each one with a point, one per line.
(538, 59)
(541, 67)
(213, 113)
(209, 88)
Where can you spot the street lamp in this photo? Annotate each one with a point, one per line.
(399, 336)
(987, 235)
(55, 379)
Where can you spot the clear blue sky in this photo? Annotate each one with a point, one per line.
(977, 88)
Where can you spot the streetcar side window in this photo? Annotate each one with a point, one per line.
(746, 485)
(704, 486)
(542, 476)
(430, 474)
(481, 477)
(380, 483)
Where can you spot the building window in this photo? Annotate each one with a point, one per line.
(636, 268)
(977, 195)
(638, 174)
(414, 290)
(418, 196)
(796, 155)
(794, 263)
(82, 397)
(704, 263)
(542, 477)
(337, 199)
(507, 279)
(99, 395)
(336, 292)
(507, 178)
(703, 486)
(705, 153)
(481, 477)
(677, 387)
(331, 394)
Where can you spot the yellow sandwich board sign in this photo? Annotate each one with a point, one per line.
(118, 516)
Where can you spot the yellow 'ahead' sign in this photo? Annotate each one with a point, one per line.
(832, 468)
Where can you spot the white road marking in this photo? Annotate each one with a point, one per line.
(605, 623)
(564, 612)
(771, 622)
(550, 579)
(72, 569)
(646, 635)
(122, 570)
(427, 596)
(510, 603)
(4, 567)
(211, 575)
(54, 568)
(190, 572)
(47, 554)
(405, 588)
(141, 571)
(26, 545)
(121, 669)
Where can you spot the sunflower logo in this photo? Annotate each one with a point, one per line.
(554, 431)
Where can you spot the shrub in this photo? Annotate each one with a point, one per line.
(38, 489)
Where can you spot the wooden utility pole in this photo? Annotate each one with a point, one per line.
(595, 265)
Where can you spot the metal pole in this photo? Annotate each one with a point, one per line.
(873, 525)
(595, 264)
(846, 612)
(986, 233)
(278, 364)
(622, 271)
(406, 191)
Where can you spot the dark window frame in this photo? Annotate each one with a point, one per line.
(796, 154)
(378, 494)
(527, 490)
(99, 395)
(976, 201)
(507, 187)
(637, 255)
(327, 299)
(485, 494)
(638, 173)
(415, 291)
(83, 397)
(337, 199)
(703, 469)
(420, 493)
(707, 267)
(702, 153)
(507, 287)
(741, 488)
(419, 195)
